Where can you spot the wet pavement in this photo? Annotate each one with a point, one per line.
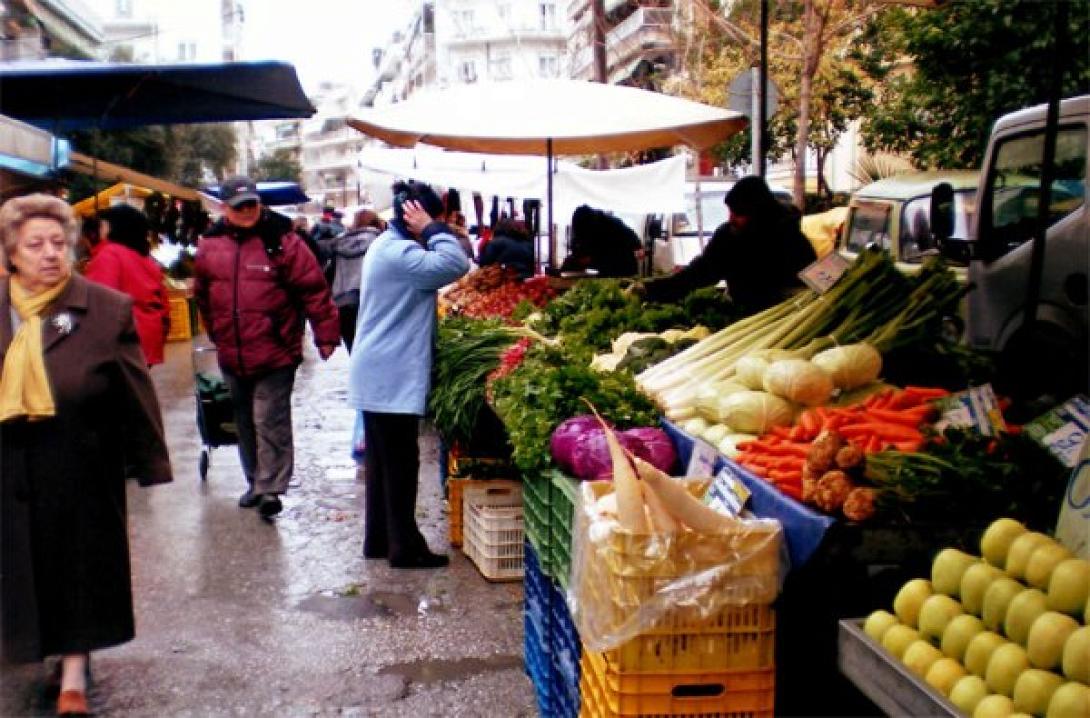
(241, 617)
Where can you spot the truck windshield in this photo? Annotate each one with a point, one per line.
(869, 224)
(1015, 183)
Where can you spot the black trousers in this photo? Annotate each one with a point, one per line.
(348, 314)
(391, 465)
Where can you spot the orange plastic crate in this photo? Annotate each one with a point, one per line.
(735, 694)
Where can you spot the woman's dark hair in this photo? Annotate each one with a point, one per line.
(513, 228)
(419, 192)
(128, 227)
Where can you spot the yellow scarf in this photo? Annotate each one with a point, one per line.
(24, 386)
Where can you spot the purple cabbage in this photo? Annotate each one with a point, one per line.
(654, 446)
(567, 435)
(590, 456)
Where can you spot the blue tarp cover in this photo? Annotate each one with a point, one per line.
(64, 95)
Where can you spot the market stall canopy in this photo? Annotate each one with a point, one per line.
(64, 95)
(117, 173)
(576, 117)
(272, 194)
(111, 195)
(30, 151)
(658, 186)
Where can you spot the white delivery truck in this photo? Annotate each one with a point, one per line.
(1047, 358)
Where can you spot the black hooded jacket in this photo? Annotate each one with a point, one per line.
(760, 263)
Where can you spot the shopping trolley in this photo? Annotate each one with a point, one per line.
(215, 411)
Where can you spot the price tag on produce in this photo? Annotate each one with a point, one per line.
(1063, 429)
(702, 462)
(975, 408)
(728, 493)
(824, 273)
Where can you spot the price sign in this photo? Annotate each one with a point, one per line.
(824, 273)
(1063, 429)
(703, 459)
(728, 493)
(975, 408)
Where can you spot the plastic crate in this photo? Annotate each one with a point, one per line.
(455, 490)
(181, 323)
(493, 531)
(566, 650)
(538, 667)
(739, 694)
(536, 593)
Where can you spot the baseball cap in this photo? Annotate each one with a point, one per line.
(236, 190)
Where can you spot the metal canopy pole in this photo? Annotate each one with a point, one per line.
(549, 191)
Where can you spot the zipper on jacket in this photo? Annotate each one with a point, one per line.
(235, 314)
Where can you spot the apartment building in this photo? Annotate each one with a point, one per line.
(452, 42)
(34, 30)
(168, 31)
(638, 35)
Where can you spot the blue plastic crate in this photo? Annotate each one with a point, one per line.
(538, 667)
(537, 592)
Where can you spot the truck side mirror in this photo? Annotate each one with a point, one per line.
(942, 212)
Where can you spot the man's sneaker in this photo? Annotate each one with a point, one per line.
(269, 506)
(249, 499)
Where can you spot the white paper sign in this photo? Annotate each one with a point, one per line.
(728, 493)
(1073, 527)
(824, 273)
(703, 459)
(975, 408)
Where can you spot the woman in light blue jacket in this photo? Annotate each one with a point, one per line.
(390, 369)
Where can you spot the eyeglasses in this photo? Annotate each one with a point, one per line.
(248, 204)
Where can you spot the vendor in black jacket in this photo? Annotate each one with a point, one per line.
(759, 251)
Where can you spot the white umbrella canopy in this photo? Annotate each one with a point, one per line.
(548, 117)
(523, 117)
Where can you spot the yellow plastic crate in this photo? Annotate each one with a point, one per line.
(733, 694)
(180, 326)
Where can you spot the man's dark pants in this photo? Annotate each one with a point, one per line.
(263, 417)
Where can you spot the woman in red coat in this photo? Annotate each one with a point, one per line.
(124, 263)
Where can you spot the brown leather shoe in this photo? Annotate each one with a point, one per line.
(72, 703)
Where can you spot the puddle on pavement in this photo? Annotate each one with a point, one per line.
(433, 671)
(350, 604)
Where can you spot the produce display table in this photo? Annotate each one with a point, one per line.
(890, 684)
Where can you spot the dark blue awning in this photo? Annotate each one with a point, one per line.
(63, 95)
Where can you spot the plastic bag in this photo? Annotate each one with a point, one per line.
(625, 584)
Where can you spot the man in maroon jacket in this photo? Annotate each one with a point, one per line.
(256, 282)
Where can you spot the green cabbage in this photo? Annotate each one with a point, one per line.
(799, 381)
(754, 412)
(850, 366)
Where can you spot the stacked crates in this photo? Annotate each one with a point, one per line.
(456, 487)
(549, 503)
(692, 660)
(551, 643)
(181, 323)
(493, 530)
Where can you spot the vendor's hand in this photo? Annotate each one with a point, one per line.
(326, 350)
(416, 218)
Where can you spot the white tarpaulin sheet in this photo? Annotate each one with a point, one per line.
(659, 186)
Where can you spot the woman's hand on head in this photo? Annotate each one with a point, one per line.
(416, 218)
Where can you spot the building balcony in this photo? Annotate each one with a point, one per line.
(504, 36)
(642, 33)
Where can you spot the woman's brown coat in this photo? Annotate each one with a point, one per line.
(65, 583)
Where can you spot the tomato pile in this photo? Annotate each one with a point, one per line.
(495, 292)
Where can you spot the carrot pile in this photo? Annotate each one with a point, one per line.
(889, 419)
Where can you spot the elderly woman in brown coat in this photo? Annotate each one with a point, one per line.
(78, 414)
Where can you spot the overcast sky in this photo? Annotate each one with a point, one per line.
(325, 39)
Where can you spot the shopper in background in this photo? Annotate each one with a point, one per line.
(78, 415)
(90, 241)
(347, 251)
(511, 247)
(255, 282)
(391, 366)
(124, 263)
(328, 226)
(603, 243)
(759, 251)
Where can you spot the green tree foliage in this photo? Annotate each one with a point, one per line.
(281, 165)
(946, 74)
(178, 153)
